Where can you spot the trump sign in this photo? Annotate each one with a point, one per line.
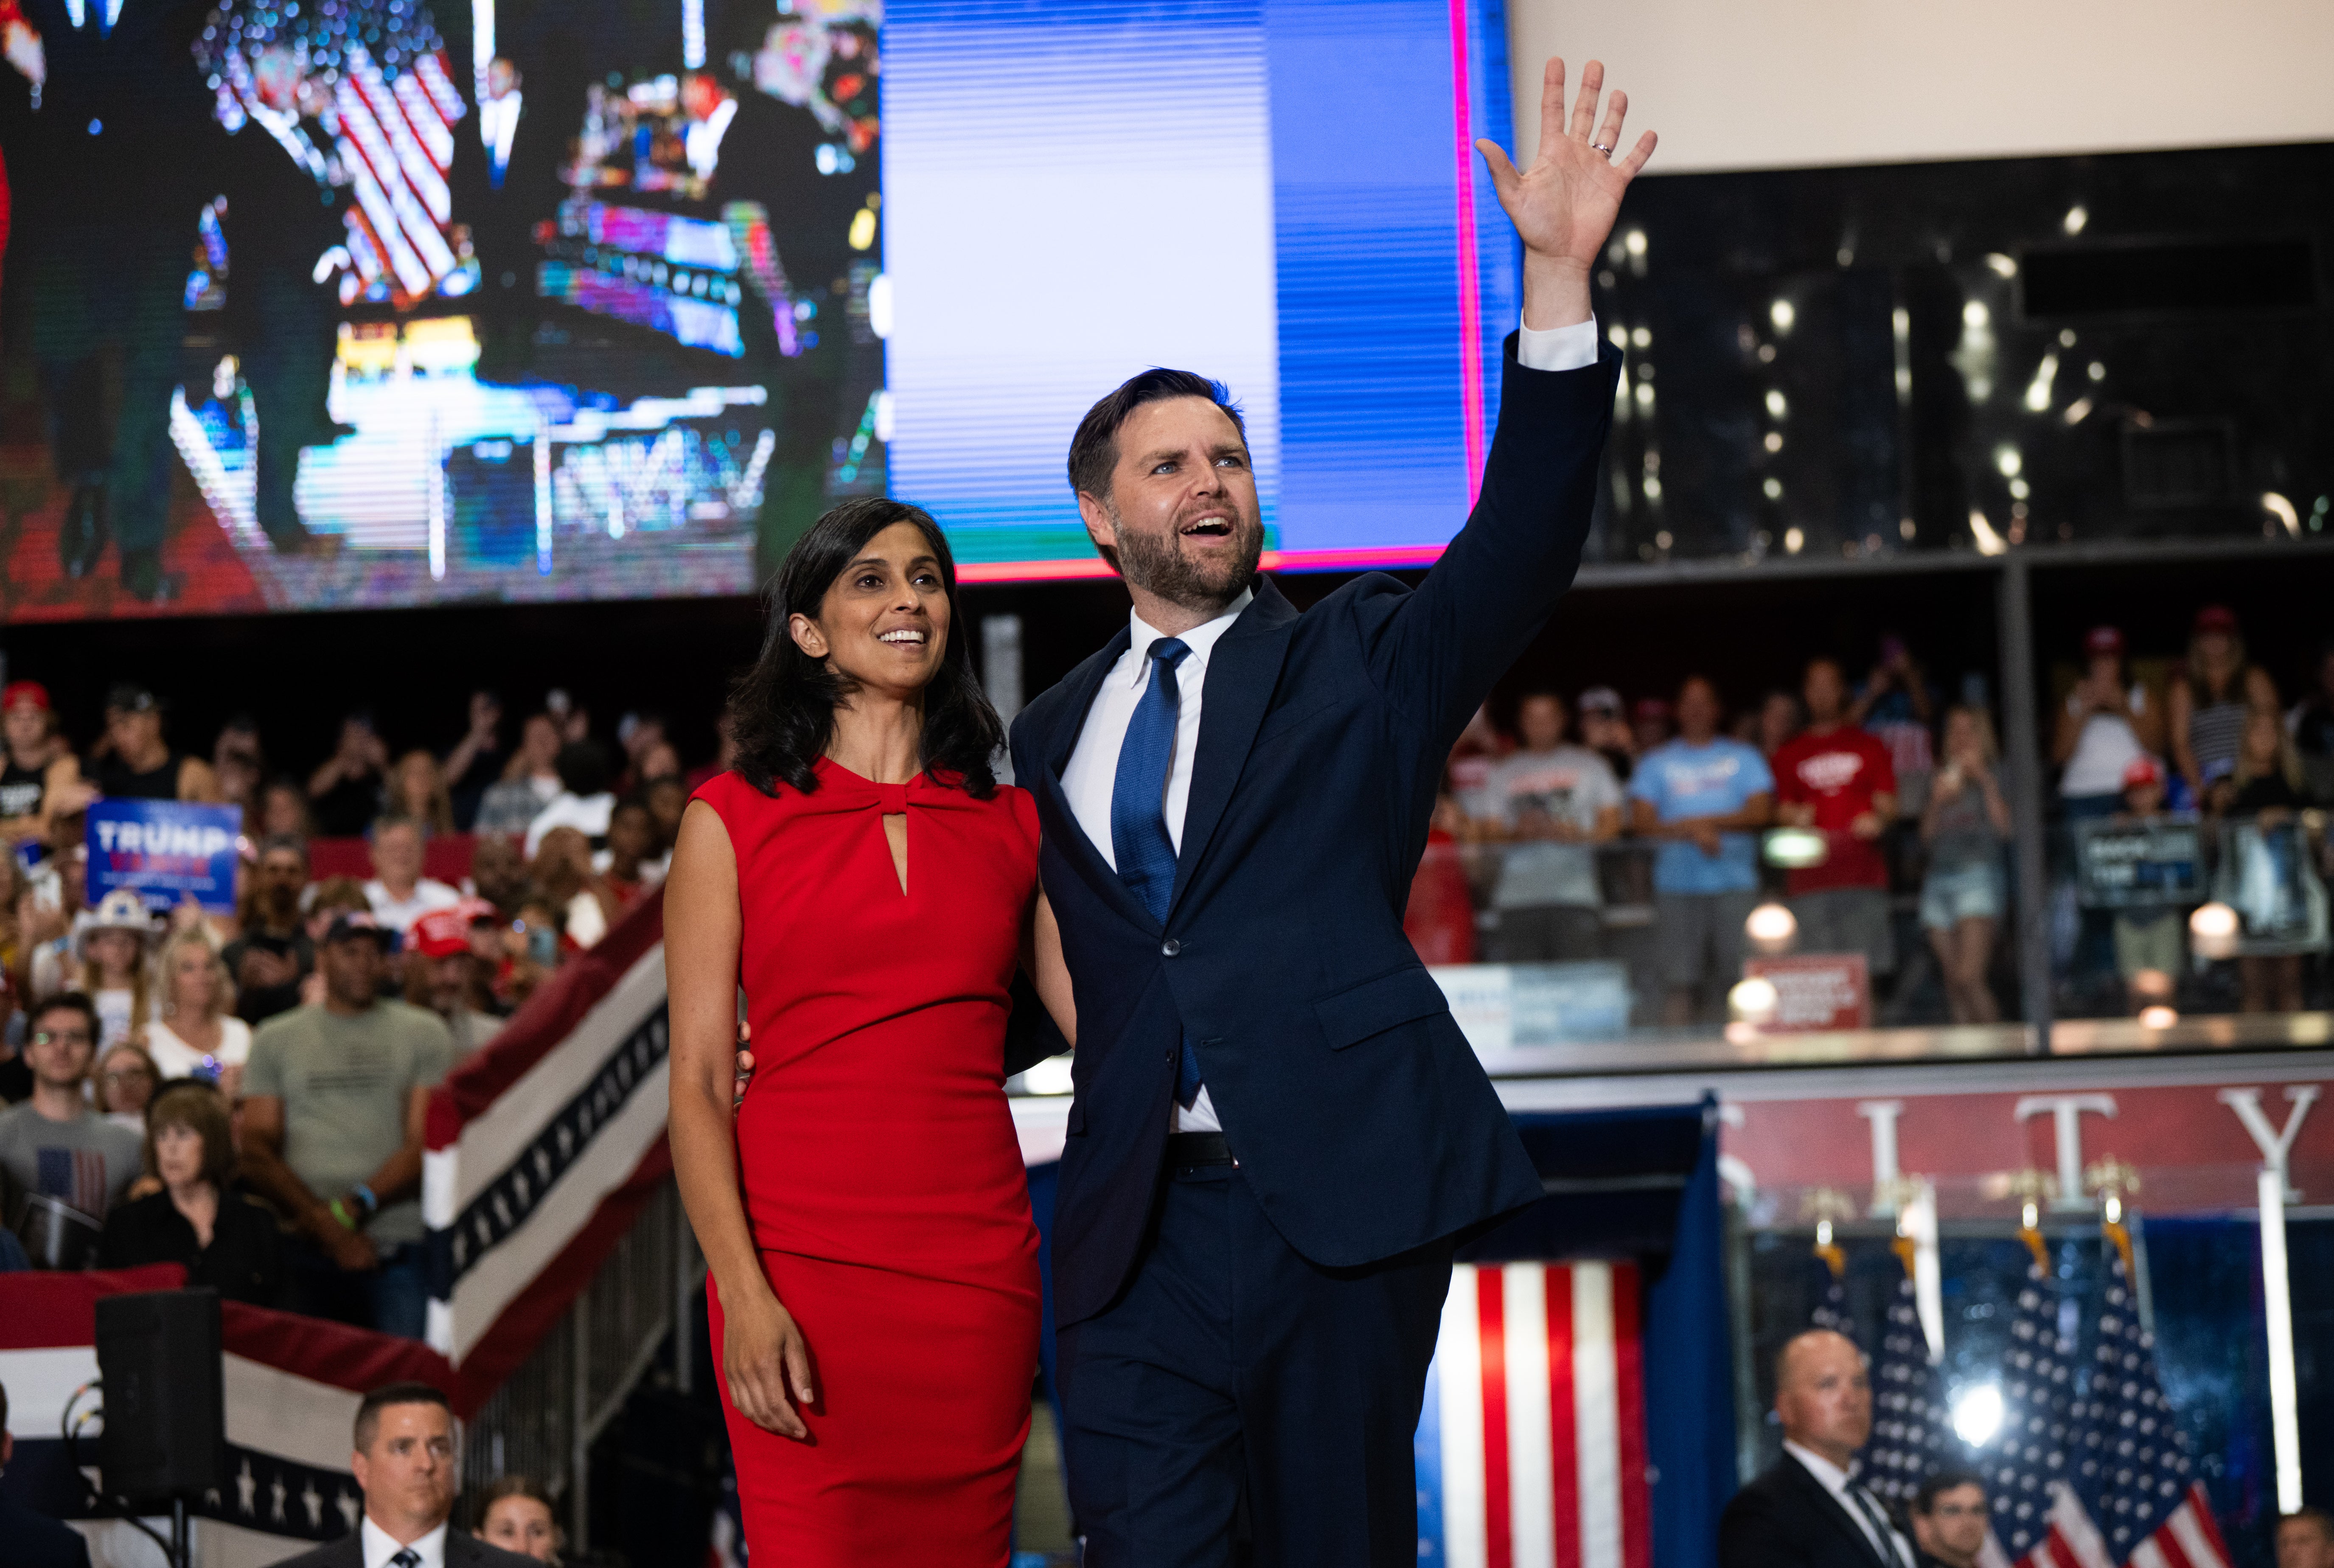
(167, 850)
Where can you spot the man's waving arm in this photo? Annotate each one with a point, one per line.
(1441, 650)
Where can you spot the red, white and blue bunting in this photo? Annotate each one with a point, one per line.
(1531, 1446)
(292, 1385)
(542, 1148)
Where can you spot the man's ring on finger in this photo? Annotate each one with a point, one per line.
(1602, 148)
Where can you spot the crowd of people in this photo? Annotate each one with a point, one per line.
(1645, 831)
(244, 1092)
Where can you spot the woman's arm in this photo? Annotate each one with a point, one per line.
(2073, 714)
(2146, 718)
(1041, 956)
(1997, 805)
(2179, 707)
(762, 1352)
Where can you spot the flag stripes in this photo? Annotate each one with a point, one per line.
(1539, 1418)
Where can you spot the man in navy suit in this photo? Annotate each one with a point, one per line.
(1278, 1130)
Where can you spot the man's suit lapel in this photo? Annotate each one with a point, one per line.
(1819, 1497)
(1242, 672)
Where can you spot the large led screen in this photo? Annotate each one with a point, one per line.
(327, 304)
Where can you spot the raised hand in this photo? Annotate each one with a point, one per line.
(1563, 205)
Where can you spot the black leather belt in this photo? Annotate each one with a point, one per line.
(1189, 1149)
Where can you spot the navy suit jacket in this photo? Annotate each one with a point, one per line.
(1359, 1115)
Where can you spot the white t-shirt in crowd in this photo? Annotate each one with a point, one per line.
(2106, 746)
(113, 1009)
(398, 914)
(173, 1058)
(1572, 784)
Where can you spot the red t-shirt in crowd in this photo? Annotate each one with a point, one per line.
(1838, 773)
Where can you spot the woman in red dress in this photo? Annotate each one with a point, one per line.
(866, 1218)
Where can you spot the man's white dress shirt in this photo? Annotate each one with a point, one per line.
(1092, 775)
(1896, 1549)
(497, 124)
(380, 1546)
(701, 145)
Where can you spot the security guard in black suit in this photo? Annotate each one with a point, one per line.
(1806, 1510)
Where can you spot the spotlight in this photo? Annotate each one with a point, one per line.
(2157, 1017)
(1771, 929)
(1977, 1414)
(1754, 1000)
(2213, 929)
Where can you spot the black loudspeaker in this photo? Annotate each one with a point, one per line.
(165, 1433)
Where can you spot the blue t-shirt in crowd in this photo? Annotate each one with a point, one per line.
(1681, 781)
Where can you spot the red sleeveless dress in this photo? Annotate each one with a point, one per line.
(882, 1176)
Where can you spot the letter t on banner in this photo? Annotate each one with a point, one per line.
(1885, 1176)
(2066, 1118)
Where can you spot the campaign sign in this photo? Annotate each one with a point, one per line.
(167, 850)
(2144, 863)
(1815, 991)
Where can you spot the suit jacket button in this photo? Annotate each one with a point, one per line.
(1170, 946)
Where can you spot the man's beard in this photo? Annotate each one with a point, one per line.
(1154, 564)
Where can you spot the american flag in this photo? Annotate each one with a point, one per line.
(1531, 1446)
(1912, 1430)
(2133, 1458)
(397, 142)
(73, 1175)
(1830, 1310)
(2039, 1522)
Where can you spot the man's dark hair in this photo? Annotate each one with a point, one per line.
(584, 768)
(2306, 1515)
(69, 1002)
(382, 824)
(1094, 450)
(1953, 1478)
(380, 1399)
(781, 709)
(288, 844)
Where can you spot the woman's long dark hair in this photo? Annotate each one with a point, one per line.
(781, 709)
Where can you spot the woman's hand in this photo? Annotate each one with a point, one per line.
(765, 1361)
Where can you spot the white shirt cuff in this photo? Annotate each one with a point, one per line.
(1569, 348)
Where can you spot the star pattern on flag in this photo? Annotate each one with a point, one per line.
(2030, 1451)
(1912, 1430)
(2133, 1466)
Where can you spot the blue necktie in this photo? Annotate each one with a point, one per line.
(1138, 810)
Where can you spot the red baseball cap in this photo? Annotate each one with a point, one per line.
(2142, 772)
(2215, 618)
(2103, 640)
(442, 933)
(31, 691)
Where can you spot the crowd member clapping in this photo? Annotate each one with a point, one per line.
(564, 874)
(198, 1034)
(199, 1219)
(1966, 825)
